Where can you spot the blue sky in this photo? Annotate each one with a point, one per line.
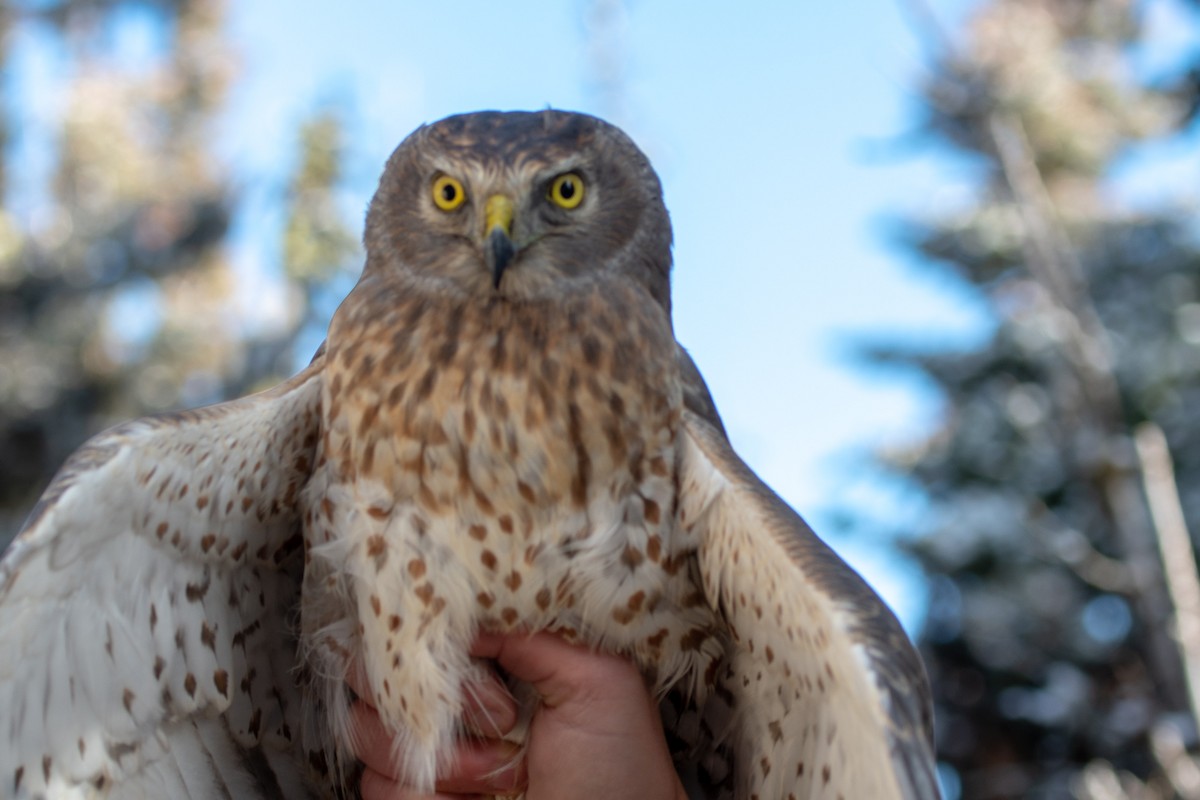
(782, 133)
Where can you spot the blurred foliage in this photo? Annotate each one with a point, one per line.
(117, 294)
(1050, 638)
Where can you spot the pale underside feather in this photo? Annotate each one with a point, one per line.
(144, 609)
(827, 695)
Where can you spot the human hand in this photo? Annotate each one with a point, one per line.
(595, 733)
(483, 765)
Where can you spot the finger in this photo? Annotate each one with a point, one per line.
(488, 766)
(488, 707)
(380, 787)
(356, 676)
(372, 740)
(557, 670)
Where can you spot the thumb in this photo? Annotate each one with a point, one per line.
(561, 673)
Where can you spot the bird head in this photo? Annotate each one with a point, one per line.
(520, 206)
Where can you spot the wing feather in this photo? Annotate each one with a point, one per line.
(148, 593)
(830, 697)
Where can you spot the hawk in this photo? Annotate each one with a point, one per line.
(501, 433)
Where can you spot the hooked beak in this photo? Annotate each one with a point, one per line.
(499, 252)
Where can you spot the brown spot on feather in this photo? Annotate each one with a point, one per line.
(208, 636)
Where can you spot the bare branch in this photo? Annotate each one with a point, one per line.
(1175, 547)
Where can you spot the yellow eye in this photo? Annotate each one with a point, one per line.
(567, 190)
(448, 194)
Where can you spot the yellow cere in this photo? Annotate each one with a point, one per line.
(448, 193)
(567, 190)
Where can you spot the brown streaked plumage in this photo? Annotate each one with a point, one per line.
(502, 433)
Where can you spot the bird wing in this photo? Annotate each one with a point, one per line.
(145, 643)
(828, 697)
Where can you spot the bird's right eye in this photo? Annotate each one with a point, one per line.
(448, 193)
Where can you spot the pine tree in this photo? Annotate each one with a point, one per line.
(1062, 653)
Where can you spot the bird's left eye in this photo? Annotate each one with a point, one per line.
(566, 190)
(448, 193)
